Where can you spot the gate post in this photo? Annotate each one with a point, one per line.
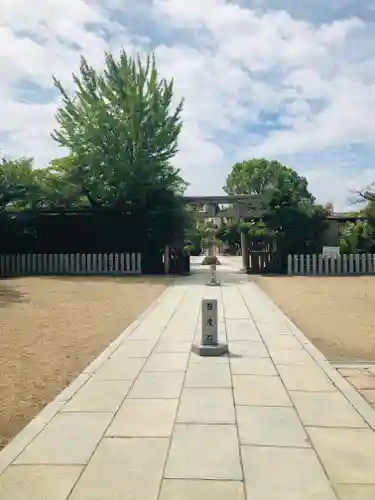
(166, 260)
(243, 250)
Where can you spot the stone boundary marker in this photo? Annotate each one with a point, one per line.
(209, 345)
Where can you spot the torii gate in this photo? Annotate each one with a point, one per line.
(244, 206)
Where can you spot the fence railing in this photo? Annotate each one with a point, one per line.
(65, 264)
(331, 265)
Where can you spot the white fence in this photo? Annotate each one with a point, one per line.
(339, 265)
(84, 264)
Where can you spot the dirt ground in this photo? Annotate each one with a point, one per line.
(51, 328)
(336, 313)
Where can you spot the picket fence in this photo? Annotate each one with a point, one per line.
(339, 265)
(66, 264)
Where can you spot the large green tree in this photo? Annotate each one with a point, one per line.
(18, 187)
(121, 132)
(263, 177)
(24, 187)
(288, 208)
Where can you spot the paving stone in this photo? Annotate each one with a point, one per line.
(242, 329)
(369, 395)
(347, 454)
(97, 362)
(204, 452)
(167, 362)
(135, 349)
(248, 349)
(355, 492)
(365, 381)
(208, 375)
(206, 406)
(28, 433)
(72, 388)
(165, 346)
(144, 418)
(305, 378)
(298, 357)
(99, 396)
(146, 332)
(270, 427)
(70, 439)
(38, 482)
(205, 360)
(233, 304)
(284, 474)
(259, 390)
(123, 469)
(326, 409)
(349, 372)
(271, 329)
(287, 342)
(252, 366)
(157, 385)
(21, 440)
(178, 335)
(185, 489)
(120, 369)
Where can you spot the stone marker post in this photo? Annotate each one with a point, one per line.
(209, 345)
(209, 322)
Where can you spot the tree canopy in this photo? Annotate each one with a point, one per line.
(16, 181)
(25, 187)
(265, 177)
(120, 131)
(359, 236)
(289, 209)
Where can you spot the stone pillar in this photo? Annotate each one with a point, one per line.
(243, 250)
(241, 210)
(166, 260)
(209, 345)
(247, 253)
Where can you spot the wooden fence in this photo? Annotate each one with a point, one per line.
(339, 265)
(65, 264)
(263, 262)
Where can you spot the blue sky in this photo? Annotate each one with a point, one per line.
(283, 79)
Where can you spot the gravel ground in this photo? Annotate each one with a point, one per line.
(51, 328)
(336, 313)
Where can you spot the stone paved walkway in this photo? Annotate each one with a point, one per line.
(360, 375)
(148, 420)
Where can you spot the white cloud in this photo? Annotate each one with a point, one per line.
(38, 40)
(330, 185)
(256, 80)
